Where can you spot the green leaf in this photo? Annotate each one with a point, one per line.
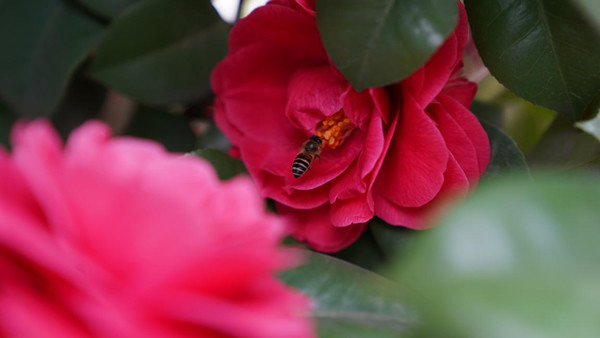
(162, 51)
(226, 166)
(592, 9)
(391, 239)
(83, 100)
(378, 42)
(171, 130)
(504, 154)
(42, 43)
(7, 119)
(592, 126)
(107, 8)
(518, 259)
(351, 301)
(564, 147)
(543, 50)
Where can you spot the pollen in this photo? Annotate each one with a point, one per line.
(334, 129)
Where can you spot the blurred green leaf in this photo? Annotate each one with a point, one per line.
(564, 147)
(42, 43)
(518, 259)
(378, 42)
(7, 119)
(543, 50)
(162, 51)
(82, 101)
(171, 130)
(226, 166)
(592, 9)
(351, 301)
(505, 156)
(107, 8)
(391, 239)
(364, 252)
(592, 126)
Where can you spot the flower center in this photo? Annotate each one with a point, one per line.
(334, 129)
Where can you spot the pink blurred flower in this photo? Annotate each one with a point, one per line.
(118, 238)
(405, 148)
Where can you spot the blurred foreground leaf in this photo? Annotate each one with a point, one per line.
(107, 8)
(543, 50)
(42, 43)
(518, 259)
(162, 51)
(351, 301)
(505, 156)
(378, 42)
(226, 166)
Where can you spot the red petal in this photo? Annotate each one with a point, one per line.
(429, 80)
(252, 89)
(314, 227)
(455, 185)
(345, 212)
(473, 129)
(457, 141)
(462, 90)
(413, 171)
(313, 94)
(281, 24)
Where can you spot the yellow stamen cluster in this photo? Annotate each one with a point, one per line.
(333, 129)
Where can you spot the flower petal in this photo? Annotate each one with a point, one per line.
(455, 186)
(429, 80)
(413, 171)
(469, 123)
(314, 227)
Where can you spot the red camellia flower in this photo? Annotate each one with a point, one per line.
(390, 152)
(118, 238)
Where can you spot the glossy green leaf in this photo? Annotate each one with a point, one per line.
(564, 147)
(543, 50)
(350, 301)
(42, 43)
(505, 156)
(162, 51)
(518, 259)
(107, 8)
(378, 42)
(226, 166)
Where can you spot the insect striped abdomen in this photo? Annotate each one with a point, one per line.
(301, 164)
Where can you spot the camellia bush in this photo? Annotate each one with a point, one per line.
(330, 168)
